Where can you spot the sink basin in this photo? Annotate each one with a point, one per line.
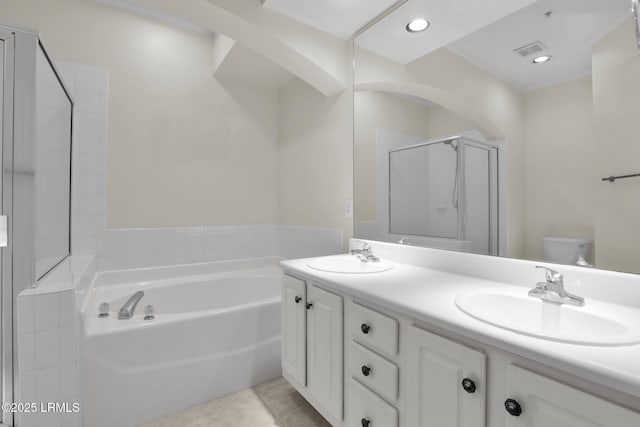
(597, 323)
(348, 264)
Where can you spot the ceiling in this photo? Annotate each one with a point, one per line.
(341, 18)
(450, 20)
(568, 35)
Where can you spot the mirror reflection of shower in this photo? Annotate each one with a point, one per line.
(445, 189)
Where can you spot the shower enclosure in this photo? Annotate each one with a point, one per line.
(35, 184)
(446, 189)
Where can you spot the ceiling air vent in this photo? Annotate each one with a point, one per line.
(530, 49)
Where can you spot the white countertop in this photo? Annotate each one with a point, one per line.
(428, 295)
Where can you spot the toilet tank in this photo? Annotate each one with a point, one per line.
(566, 250)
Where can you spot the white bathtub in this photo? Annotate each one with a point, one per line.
(216, 331)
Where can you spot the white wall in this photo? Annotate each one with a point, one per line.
(373, 111)
(183, 149)
(561, 182)
(315, 172)
(190, 159)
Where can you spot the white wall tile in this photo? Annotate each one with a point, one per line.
(48, 384)
(72, 419)
(194, 240)
(68, 381)
(67, 340)
(47, 345)
(87, 163)
(89, 142)
(90, 123)
(27, 387)
(88, 101)
(27, 393)
(212, 244)
(229, 241)
(50, 419)
(26, 352)
(46, 312)
(26, 316)
(156, 247)
(89, 79)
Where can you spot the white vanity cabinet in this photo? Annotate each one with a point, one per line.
(533, 400)
(361, 364)
(447, 382)
(294, 328)
(312, 344)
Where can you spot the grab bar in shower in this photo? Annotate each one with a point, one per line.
(614, 178)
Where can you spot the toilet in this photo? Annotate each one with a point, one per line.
(566, 250)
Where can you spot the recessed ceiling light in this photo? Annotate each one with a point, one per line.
(542, 59)
(417, 25)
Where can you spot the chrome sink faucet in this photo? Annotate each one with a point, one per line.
(553, 289)
(365, 254)
(129, 307)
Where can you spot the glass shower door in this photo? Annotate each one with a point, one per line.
(6, 155)
(479, 197)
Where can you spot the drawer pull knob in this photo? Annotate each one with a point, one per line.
(365, 328)
(513, 407)
(469, 385)
(297, 299)
(309, 305)
(365, 422)
(366, 370)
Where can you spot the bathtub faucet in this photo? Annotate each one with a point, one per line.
(129, 307)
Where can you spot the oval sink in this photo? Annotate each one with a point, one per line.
(348, 264)
(596, 323)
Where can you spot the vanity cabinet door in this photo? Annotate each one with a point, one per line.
(294, 328)
(533, 400)
(446, 382)
(324, 348)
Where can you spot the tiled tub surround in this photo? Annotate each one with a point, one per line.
(148, 247)
(47, 358)
(89, 89)
(420, 291)
(216, 331)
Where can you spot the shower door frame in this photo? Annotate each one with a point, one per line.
(7, 297)
(493, 150)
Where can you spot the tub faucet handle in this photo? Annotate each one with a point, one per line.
(103, 310)
(149, 313)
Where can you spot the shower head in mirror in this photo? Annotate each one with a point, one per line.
(453, 143)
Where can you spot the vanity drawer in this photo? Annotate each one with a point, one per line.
(374, 371)
(367, 409)
(375, 329)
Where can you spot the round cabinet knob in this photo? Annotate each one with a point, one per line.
(297, 299)
(365, 422)
(365, 328)
(366, 370)
(469, 385)
(309, 305)
(513, 407)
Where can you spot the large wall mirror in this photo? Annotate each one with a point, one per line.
(502, 131)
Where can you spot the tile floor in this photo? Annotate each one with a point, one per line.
(272, 404)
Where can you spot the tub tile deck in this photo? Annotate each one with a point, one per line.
(272, 404)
